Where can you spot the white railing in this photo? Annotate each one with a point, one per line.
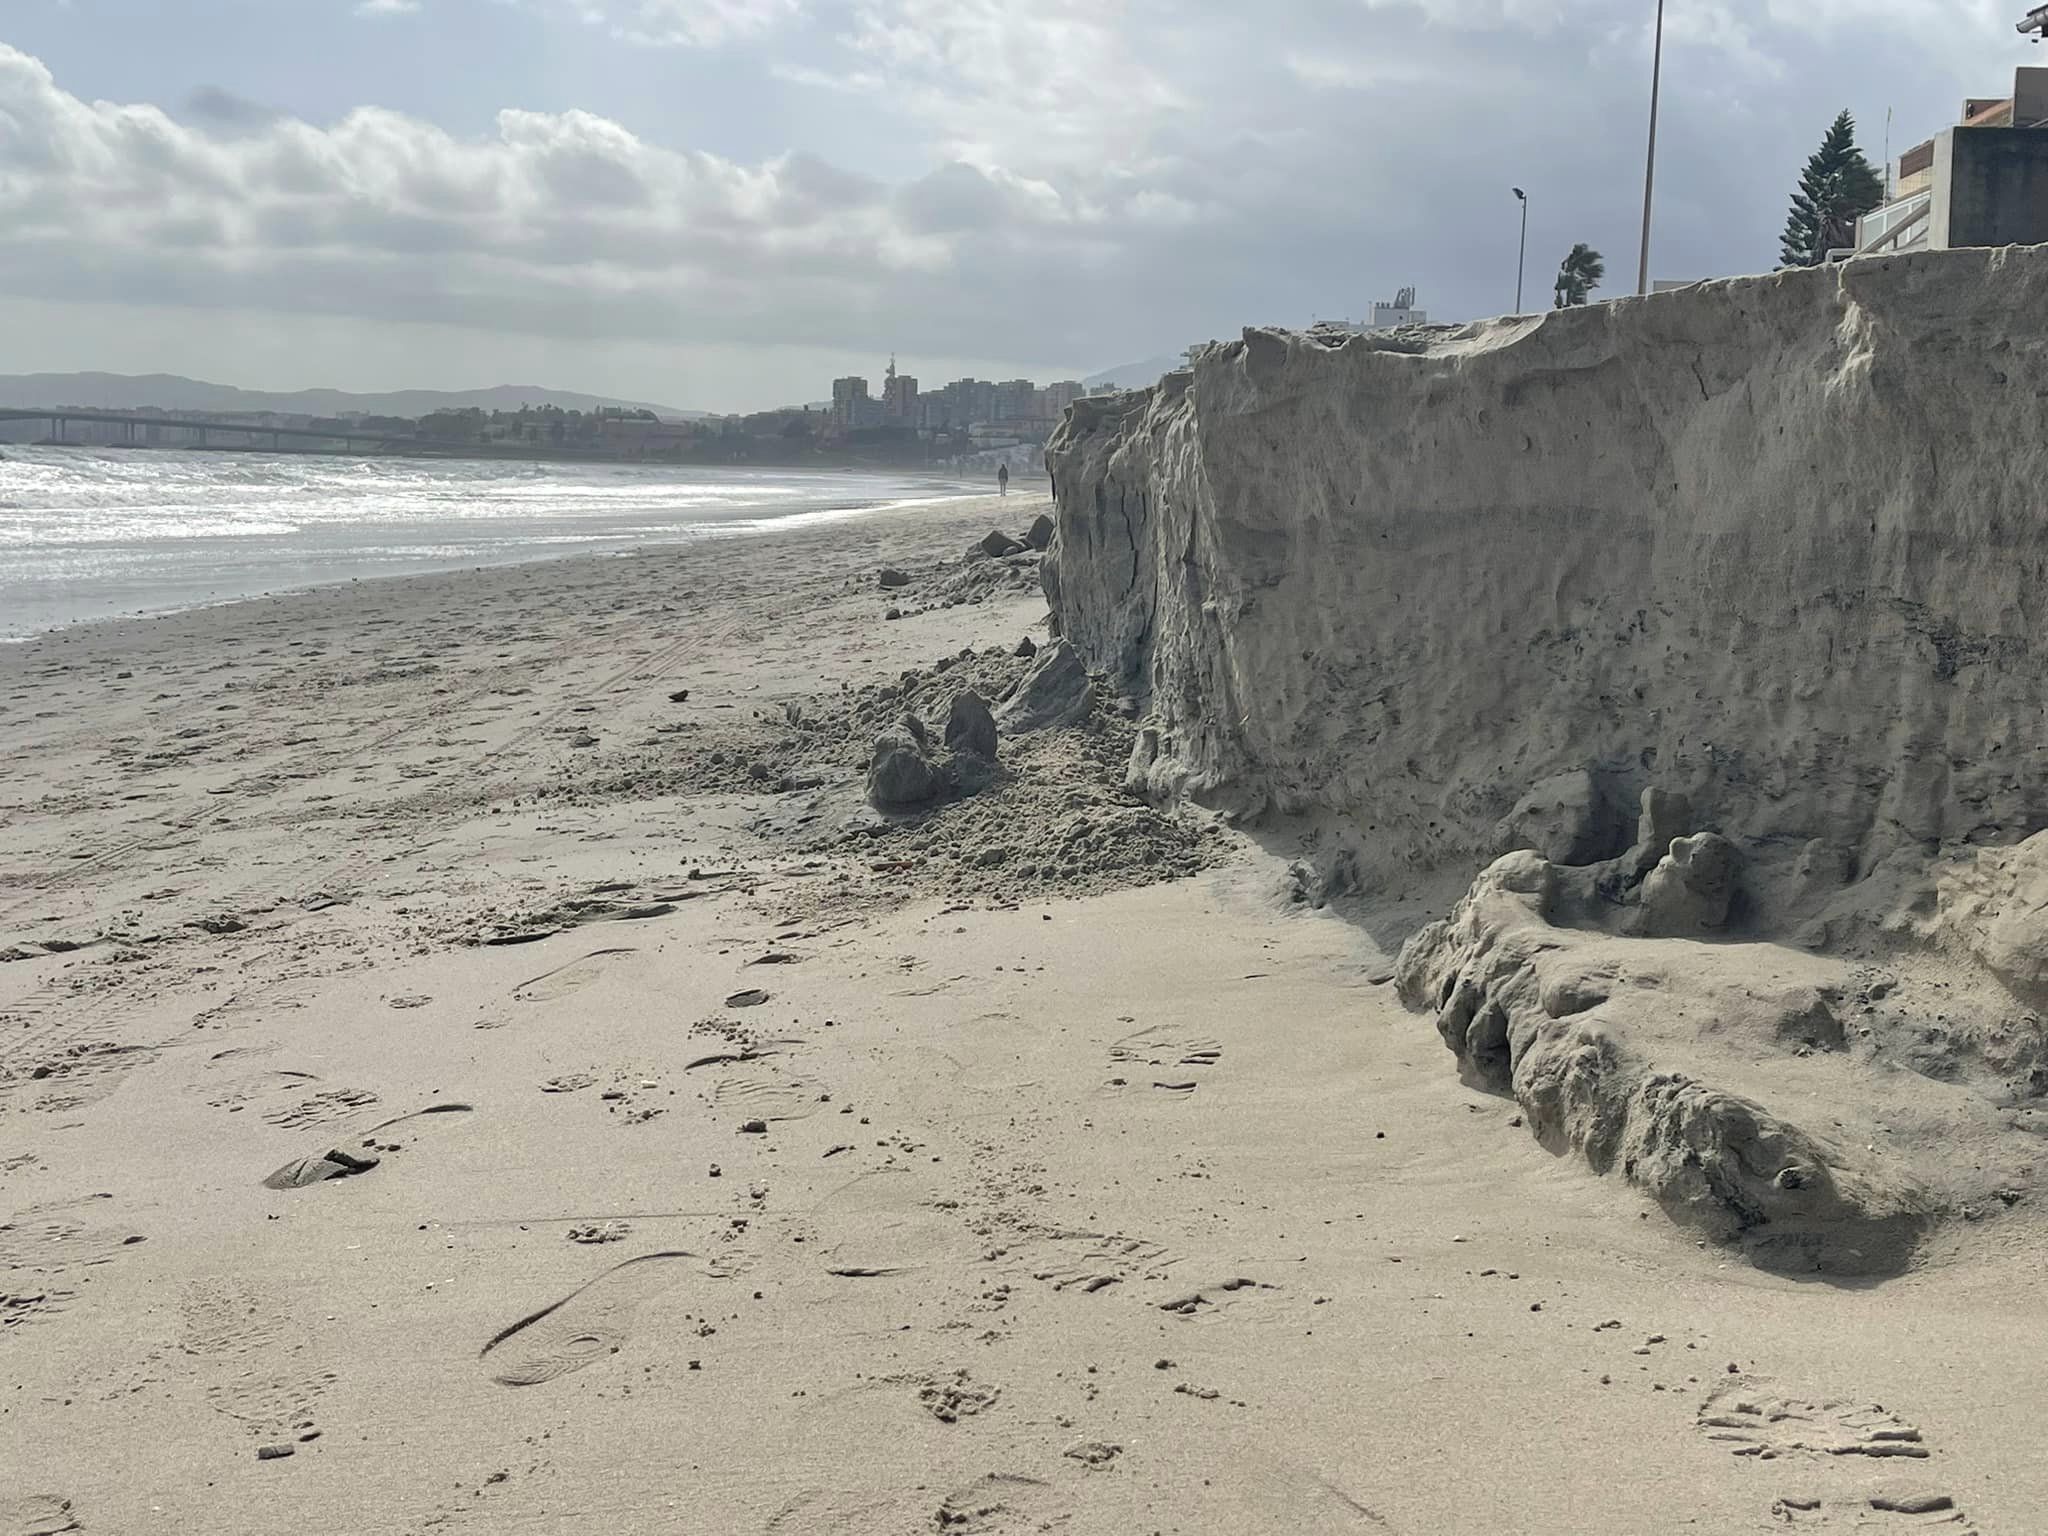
(1892, 225)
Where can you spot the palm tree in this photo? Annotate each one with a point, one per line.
(1578, 275)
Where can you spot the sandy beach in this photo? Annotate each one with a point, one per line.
(718, 1156)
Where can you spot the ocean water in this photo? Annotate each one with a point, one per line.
(96, 533)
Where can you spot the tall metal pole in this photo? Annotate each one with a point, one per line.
(1522, 255)
(1650, 166)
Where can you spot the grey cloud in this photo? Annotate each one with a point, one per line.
(820, 185)
(1106, 180)
(955, 197)
(222, 111)
(589, 179)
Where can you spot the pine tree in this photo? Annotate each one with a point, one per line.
(1578, 275)
(1837, 188)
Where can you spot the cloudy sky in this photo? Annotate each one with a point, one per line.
(722, 203)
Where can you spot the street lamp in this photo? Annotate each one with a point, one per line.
(1523, 255)
(1650, 164)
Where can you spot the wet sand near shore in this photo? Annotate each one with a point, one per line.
(468, 1062)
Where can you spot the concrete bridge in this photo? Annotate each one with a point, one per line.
(300, 439)
(207, 432)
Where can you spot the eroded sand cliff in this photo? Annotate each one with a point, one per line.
(1777, 543)
(1761, 559)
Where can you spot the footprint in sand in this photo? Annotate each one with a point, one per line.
(892, 1221)
(239, 1341)
(249, 1086)
(1001, 1503)
(1268, 1490)
(341, 1162)
(952, 1396)
(1751, 1420)
(1210, 1297)
(1900, 1511)
(848, 1514)
(40, 1514)
(565, 979)
(765, 1093)
(77, 1075)
(588, 1324)
(996, 1504)
(44, 1257)
(33, 1304)
(1159, 1045)
(328, 1104)
(1088, 1262)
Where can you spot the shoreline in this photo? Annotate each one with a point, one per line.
(470, 453)
(945, 492)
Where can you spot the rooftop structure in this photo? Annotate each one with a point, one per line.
(1387, 317)
(1983, 181)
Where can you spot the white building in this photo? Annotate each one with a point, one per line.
(1387, 317)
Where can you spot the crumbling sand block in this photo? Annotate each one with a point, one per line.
(1613, 1048)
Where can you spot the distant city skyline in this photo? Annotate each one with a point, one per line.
(106, 390)
(959, 404)
(103, 341)
(721, 202)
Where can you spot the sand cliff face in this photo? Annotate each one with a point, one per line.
(1778, 544)
(1722, 607)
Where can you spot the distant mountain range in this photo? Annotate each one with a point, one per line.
(168, 392)
(1135, 375)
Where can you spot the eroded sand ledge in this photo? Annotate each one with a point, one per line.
(1767, 551)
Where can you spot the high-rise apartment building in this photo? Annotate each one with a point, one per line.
(899, 397)
(850, 402)
(1015, 400)
(1055, 398)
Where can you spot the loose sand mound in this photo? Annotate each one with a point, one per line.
(1048, 814)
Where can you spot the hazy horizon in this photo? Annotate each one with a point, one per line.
(12, 396)
(723, 204)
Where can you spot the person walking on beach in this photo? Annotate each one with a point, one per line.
(1002, 479)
